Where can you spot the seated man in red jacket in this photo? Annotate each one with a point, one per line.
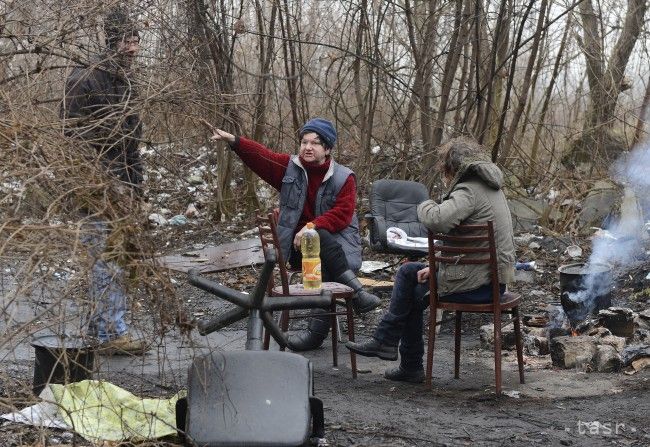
(313, 188)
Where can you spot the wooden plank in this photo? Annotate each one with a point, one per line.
(216, 259)
(376, 284)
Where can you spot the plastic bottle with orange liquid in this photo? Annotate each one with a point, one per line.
(311, 266)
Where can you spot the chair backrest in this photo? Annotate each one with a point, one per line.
(469, 244)
(268, 229)
(393, 203)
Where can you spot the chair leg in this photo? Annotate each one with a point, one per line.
(519, 344)
(284, 323)
(353, 356)
(335, 342)
(433, 319)
(439, 315)
(459, 316)
(267, 339)
(339, 333)
(497, 351)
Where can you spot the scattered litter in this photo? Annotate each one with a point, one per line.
(42, 414)
(600, 233)
(525, 265)
(157, 219)
(534, 245)
(194, 180)
(192, 254)
(191, 211)
(178, 220)
(573, 251)
(373, 266)
(640, 364)
(526, 238)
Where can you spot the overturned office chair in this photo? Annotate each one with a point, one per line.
(341, 294)
(456, 249)
(393, 203)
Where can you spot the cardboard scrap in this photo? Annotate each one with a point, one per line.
(216, 258)
(376, 284)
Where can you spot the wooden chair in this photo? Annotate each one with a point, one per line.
(341, 294)
(462, 248)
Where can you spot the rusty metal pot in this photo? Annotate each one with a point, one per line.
(584, 290)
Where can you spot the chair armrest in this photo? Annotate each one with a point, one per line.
(377, 232)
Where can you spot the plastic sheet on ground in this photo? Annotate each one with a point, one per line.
(373, 266)
(99, 410)
(42, 414)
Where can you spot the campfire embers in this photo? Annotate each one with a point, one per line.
(599, 343)
(584, 290)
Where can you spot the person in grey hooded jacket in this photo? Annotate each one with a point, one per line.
(473, 195)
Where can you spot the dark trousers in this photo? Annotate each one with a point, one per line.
(403, 323)
(332, 257)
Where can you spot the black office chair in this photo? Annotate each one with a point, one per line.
(393, 203)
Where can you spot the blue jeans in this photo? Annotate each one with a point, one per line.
(403, 323)
(107, 294)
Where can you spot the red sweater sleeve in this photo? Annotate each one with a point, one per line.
(340, 216)
(269, 165)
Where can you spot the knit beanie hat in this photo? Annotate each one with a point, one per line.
(117, 26)
(324, 129)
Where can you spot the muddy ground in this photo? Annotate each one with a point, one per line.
(553, 407)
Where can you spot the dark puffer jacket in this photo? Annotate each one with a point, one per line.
(98, 108)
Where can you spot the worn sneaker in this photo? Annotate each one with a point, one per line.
(123, 345)
(401, 375)
(373, 348)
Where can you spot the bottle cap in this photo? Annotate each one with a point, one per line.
(310, 225)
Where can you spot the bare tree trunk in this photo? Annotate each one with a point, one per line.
(266, 42)
(547, 100)
(494, 83)
(362, 95)
(509, 85)
(523, 97)
(422, 84)
(458, 39)
(640, 124)
(605, 75)
(292, 67)
(214, 47)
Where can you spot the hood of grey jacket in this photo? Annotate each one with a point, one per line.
(487, 171)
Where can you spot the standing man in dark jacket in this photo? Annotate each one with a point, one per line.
(98, 110)
(313, 188)
(474, 195)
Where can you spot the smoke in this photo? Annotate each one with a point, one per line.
(621, 242)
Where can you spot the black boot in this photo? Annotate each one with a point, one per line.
(313, 336)
(373, 348)
(362, 301)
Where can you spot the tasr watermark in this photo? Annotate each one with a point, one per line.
(597, 428)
